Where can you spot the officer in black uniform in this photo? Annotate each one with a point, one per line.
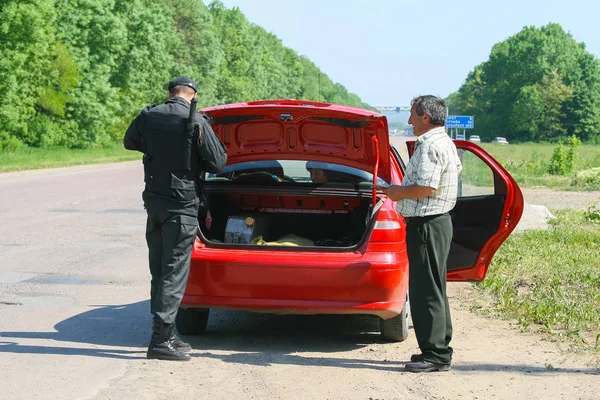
(177, 150)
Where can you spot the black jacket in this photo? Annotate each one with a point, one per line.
(160, 132)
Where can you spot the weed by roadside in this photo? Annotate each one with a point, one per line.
(550, 280)
(592, 214)
(563, 160)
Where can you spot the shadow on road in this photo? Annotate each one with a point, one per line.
(265, 359)
(107, 326)
(247, 331)
(523, 368)
(109, 329)
(239, 337)
(266, 339)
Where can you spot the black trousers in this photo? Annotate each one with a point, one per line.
(170, 234)
(428, 243)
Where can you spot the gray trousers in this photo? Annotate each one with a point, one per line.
(170, 236)
(428, 243)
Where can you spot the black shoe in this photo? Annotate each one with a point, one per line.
(416, 357)
(426, 366)
(166, 351)
(161, 345)
(180, 344)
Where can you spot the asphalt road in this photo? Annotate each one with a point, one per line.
(74, 320)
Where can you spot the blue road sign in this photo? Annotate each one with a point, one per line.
(460, 121)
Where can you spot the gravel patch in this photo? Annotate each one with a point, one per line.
(539, 202)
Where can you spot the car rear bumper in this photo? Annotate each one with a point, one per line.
(297, 283)
(384, 310)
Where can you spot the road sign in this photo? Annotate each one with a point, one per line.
(460, 121)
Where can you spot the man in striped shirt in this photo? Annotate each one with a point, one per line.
(428, 192)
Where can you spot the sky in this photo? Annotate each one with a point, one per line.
(389, 51)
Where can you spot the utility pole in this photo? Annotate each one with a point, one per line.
(319, 86)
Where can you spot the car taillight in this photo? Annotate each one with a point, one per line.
(387, 230)
(387, 224)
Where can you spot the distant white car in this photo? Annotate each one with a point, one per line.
(474, 139)
(460, 136)
(500, 140)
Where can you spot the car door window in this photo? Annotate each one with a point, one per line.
(476, 178)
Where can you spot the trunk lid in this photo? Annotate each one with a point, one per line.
(296, 130)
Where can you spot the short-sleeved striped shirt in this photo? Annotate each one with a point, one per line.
(434, 163)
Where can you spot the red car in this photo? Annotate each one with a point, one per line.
(276, 241)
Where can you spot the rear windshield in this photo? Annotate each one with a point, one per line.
(308, 172)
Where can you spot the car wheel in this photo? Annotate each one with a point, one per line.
(191, 321)
(396, 329)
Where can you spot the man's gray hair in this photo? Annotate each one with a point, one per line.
(433, 106)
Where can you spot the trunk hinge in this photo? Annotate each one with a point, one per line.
(376, 170)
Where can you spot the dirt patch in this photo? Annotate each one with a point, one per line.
(539, 203)
(561, 199)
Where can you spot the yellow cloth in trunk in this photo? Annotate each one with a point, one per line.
(287, 240)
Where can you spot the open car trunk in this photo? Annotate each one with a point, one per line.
(265, 191)
(304, 217)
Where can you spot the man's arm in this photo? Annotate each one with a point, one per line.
(396, 192)
(133, 139)
(427, 178)
(211, 149)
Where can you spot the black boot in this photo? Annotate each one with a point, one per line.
(161, 346)
(180, 344)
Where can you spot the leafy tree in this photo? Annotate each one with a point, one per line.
(537, 85)
(554, 95)
(234, 83)
(583, 111)
(310, 88)
(97, 38)
(197, 51)
(144, 66)
(453, 103)
(63, 76)
(27, 40)
(527, 111)
(74, 73)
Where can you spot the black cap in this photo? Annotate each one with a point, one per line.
(183, 81)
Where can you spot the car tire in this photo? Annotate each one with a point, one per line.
(396, 329)
(192, 321)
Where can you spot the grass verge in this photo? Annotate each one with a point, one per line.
(528, 163)
(549, 280)
(33, 158)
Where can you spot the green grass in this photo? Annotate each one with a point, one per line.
(32, 158)
(550, 279)
(528, 163)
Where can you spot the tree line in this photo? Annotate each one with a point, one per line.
(538, 85)
(74, 73)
